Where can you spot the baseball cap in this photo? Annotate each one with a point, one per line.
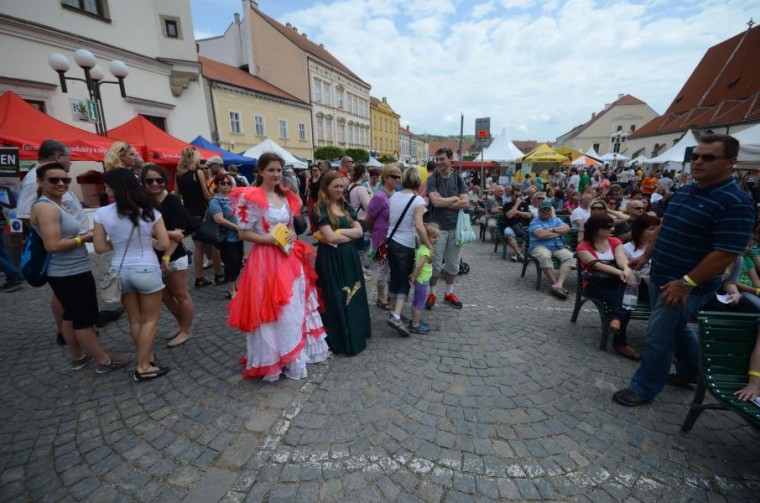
(545, 205)
(214, 159)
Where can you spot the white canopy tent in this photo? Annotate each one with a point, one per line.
(749, 144)
(502, 149)
(270, 146)
(592, 153)
(677, 152)
(642, 159)
(585, 160)
(373, 163)
(612, 156)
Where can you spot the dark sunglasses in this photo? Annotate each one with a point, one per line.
(395, 177)
(706, 157)
(224, 183)
(55, 180)
(598, 208)
(609, 227)
(154, 181)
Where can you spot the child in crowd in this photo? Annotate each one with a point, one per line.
(420, 279)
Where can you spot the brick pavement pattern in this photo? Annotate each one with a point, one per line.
(503, 400)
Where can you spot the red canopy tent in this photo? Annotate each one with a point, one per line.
(25, 127)
(474, 165)
(153, 144)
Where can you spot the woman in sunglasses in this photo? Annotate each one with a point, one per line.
(179, 223)
(603, 255)
(220, 209)
(70, 271)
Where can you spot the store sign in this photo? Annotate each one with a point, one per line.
(9, 180)
(84, 110)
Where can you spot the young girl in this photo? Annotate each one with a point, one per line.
(420, 279)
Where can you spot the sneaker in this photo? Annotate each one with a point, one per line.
(517, 257)
(398, 325)
(422, 328)
(117, 362)
(452, 300)
(430, 302)
(11, 286)
(81, 363)
(367, 276)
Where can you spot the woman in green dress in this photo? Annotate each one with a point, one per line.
(345, 312)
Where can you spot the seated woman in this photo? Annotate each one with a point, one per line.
(643, 232)
(603, 254)
(737, 292)
(752, 390)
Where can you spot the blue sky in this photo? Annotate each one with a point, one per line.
(537, 68)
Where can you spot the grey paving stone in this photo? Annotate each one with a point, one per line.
(212, 486)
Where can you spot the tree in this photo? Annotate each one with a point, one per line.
(386, 159)
(358, 154)
(328, 153)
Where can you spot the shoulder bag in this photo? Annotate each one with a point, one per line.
(381, 255)
(209, 232)
(110, 284)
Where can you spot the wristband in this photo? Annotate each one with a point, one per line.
(753, 373)
(690, 281)
(757, 291)
(337, 231)
(166, 258)
(78, 241)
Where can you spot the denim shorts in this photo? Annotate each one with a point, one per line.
(140, 278)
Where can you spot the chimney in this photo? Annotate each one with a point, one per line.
(254, 4)
(295, 29)
(593, 114)
(385, 100)
(322, 46)
(620, 95)
(304, 35)
(237, 18)
(288, 25)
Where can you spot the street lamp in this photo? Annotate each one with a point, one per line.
(616, 139)
(93, 78)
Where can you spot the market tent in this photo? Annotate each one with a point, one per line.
(614, 156)
(474, 165)
(637, 160)
(269, 145)
(374, 163)
(676, 153)
(585, 161)
(502, 149)
(153, 144)
(749, 143)
(592, 153)
(227, 156)
(25, 127)
(568, 152)
(544, 154)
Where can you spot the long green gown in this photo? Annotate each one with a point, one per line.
(343, 292)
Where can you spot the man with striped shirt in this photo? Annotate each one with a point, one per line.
(708, 223)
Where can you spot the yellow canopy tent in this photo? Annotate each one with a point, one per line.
(544, 154)
(568, 152)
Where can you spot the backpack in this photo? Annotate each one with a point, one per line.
(35, 260)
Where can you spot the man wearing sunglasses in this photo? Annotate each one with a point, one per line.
(707, 224)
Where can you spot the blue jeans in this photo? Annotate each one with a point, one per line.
(668, 333)
(12, 274)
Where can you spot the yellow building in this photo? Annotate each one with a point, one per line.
(244, 110)
(384, 128)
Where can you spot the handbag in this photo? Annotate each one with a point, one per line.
(110, 283)
(34, 260)
(209, 232)
(601, 278)
(381, 255)
(299, 224)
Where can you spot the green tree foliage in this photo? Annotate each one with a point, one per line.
(358, 154)
(386, 159)
(329, 153)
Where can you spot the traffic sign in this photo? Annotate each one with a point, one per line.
(483, 133)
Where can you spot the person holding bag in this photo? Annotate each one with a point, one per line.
(406, 210)
(130, 222)
(231, 247)
(605, 263)
(69, 271)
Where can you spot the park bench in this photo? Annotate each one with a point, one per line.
(726, 341)
(570, 241)
(642, 311)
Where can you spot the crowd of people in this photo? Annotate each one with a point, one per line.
(397, 227)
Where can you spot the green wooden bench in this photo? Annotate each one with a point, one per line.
(570, 241)
(726, 341)
(642, 311)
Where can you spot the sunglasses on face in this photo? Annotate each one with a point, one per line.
(224, 183)
(55, 180)
(395, 177)
(706, 157)
(598, 208)
(609, 227)
(635, 207)
(154, 181)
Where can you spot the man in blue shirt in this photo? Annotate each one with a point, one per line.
(707, 224)
(546, 232)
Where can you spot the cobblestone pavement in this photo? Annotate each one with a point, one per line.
(504, 400)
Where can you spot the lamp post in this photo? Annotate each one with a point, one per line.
(616, 139)
(93, 78)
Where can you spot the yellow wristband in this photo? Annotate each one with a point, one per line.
(757, 291)
(166, 258)
(753, 373)
(78, 241)
(337, 231)
(690, 281)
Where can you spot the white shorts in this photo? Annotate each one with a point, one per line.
(181, 264)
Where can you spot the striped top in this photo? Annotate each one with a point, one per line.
(697, 222)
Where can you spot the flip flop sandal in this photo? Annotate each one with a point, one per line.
(147, 376)
(201, 282)
(383, 305)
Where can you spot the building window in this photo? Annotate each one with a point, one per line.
(98, 8)
(596, 148)
(39, 105)
(172, 30)
(340, 99)
(633, 128)
(159, 122)
(258, 121)
(283, 128)
(317, 90)
(320, 129)
(341, 133)
(235, 127)
(302, 131)
(329, 130)
(328, 94)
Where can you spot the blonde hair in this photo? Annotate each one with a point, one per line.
(323, 199)
(189, 161)
(389, 169)
(432, 228)
(599, 201)
(411, 179)
(112, 159)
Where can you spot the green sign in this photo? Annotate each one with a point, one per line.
(84, 110)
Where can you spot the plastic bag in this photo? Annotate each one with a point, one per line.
(464, 231)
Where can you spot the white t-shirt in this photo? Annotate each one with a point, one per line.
(625, 176)
(655, 197)
(27, 195)
(579, 214)
(406, 232)
(140, 251)
(631, 251)
(575, 181)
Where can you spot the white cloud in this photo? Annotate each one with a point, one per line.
(537, 68)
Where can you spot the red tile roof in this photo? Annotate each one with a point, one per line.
(436, 144)
(310, 47)
(626, 99)
(723, 89)
(220, 72)
(526, 146)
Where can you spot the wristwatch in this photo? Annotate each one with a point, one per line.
(686, 286)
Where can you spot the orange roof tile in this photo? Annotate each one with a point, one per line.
(215, 70)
